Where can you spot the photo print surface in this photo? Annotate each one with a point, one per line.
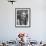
(22, 17)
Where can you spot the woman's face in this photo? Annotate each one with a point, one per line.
(23, 15)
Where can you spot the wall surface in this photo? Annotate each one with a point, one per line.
(8, 31)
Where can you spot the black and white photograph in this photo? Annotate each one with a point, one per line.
(22, 17)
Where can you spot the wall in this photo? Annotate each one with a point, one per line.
(8, 31)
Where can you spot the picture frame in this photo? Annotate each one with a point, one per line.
(22, 17)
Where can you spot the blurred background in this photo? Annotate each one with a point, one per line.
(37, 31)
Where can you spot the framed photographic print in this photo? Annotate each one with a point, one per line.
(22, 17)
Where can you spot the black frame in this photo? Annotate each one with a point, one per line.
(29, 17)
